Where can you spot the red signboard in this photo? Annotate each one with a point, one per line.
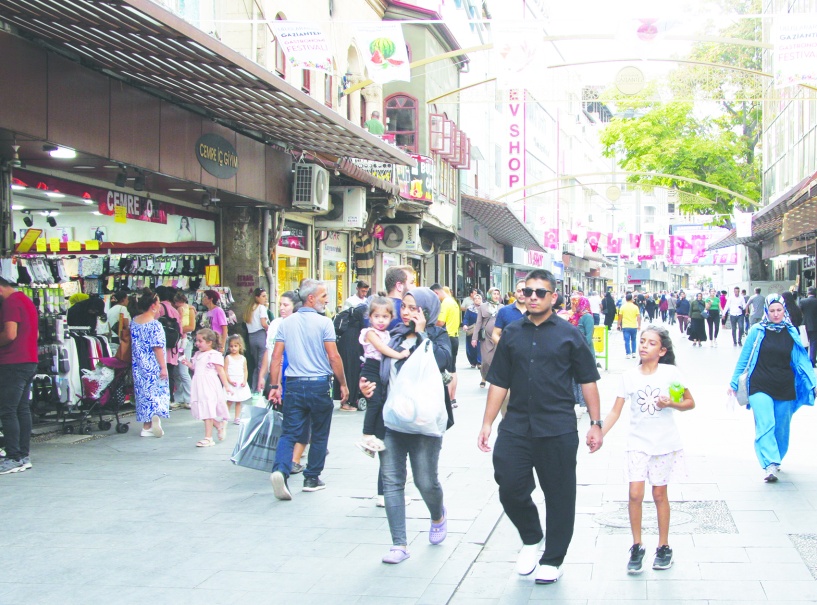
(137, 208)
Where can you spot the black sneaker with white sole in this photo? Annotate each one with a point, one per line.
(637, 552)
(313, 484)
(663, 557)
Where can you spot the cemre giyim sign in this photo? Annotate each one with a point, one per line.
(217, 156)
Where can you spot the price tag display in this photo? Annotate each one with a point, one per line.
(54, 244)
(42, 245)
(120, 214)
(91, 244)
(74, 247)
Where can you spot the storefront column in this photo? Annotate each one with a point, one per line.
(241, 252)
(7, 229)
(373, 96)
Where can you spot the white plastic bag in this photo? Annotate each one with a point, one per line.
(416, 400)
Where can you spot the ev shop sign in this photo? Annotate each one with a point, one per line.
(136, 208)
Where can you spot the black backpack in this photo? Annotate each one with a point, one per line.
(171, 328)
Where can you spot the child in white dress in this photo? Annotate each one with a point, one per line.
(235, 364)
(654, 449)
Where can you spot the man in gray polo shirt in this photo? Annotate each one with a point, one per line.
(309, 339)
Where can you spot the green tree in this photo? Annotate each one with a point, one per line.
(672, 138)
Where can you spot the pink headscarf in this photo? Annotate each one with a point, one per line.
(582, 308)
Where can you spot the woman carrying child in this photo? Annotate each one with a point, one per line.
(654, 449)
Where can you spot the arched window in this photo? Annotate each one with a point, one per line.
(280, 58)
(401, 121)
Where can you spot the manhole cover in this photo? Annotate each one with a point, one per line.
(691, 517)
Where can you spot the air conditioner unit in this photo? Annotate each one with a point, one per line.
(401, 238)
(311, 188)
(347, 209)
(448, 245)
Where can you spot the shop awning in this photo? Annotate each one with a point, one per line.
(502, 224)
(148, 47)
(768, 221)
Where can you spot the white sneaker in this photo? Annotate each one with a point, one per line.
(147, 433)
(579, 411)
(156, 427)
(528, 559)
(548, 574)
(381, 502)
(770, 474)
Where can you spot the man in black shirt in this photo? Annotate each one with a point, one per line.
(538, 358)
(808, 307)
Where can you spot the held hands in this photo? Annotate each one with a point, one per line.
(595, 439)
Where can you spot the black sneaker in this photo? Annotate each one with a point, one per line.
(313, 484)
(663, 558)
(637, 553)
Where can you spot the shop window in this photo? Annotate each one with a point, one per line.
(401, 121)
(306, 80)
(280, 58)
(294, 236)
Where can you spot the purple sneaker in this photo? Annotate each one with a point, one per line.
(396, 555)
(439, 531)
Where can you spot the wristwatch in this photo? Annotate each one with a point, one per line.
(273, 387)
(598, 423)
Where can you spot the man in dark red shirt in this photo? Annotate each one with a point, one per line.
(18, 364)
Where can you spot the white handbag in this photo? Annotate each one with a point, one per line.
(416, 399)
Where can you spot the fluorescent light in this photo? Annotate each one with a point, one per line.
(89, 202)
(63, 153)
(18, 187)
(54, 194)
(49, 213)
(96, 213)
(176, 189)
(17, 207)
(83, 167)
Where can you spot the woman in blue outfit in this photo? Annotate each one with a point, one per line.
(469, 321)
(150, 381)
(780, 379)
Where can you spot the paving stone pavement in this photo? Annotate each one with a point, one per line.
(124, 519)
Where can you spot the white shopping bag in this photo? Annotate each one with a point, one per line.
(416, 400)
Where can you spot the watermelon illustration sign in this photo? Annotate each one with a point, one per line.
(384, 51)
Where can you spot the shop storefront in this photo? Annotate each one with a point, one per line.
(334, 262)
(293, 255)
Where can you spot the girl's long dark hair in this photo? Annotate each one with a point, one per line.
(666, 343)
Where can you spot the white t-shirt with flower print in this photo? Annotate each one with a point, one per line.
(652, 430)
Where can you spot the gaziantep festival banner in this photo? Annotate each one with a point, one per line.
(794, 38)
(384, 51)
(304, 44)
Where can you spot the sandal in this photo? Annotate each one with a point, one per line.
(222, 432)
(453, 403)
(206, 442)
(482, 384)
(347, 408)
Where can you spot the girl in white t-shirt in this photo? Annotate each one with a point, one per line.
(654, 450)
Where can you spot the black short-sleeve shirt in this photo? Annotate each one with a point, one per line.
(539, 364)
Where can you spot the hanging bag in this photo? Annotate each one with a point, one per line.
(258, 436)
(742, 393)
(416, 400)
(123, 353)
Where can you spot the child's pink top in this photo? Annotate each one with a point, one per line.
(369, 352)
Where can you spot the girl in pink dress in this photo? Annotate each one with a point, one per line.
(208, 392)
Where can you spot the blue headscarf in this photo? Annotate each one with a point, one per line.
(767, 323)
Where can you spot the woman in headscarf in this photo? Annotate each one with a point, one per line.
(484, 329)
(609, 307)
(779, 380)
(581, 317)
(419, 313)
(697, 328)
(469, 321)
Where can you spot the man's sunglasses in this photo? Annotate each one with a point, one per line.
(540, 292)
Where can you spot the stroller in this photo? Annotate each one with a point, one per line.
(104, 391)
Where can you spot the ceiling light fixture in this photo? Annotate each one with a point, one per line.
(61, 153)
(18, 185)
(16, 162)
(205, 200)
(27, 218)
(139, 181)
(52, 222)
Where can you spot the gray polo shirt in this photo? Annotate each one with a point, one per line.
(303, 334)
(757, 303)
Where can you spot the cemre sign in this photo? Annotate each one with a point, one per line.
(217, 156)
(137, 208)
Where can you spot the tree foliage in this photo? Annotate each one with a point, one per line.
(674, 139)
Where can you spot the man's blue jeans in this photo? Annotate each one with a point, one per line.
(424, 453)
(629, 339)
(15, 407)
(306, 403)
